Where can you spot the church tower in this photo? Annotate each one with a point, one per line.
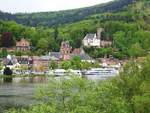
(99, 35)
(65, 50)
(99, 32)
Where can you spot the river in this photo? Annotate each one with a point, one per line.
(20, 91)
(17, 92)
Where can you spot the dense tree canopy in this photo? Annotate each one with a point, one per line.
(129, 29)
(63, 17)
(6, 40)
(126, 28)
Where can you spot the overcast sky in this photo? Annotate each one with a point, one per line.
(14, 6)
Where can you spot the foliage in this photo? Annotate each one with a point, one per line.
(53, 65)
(78, 95)
(1, 66)
(24, 67)
(3, 53)
(136, 50)
(77, 64)
(99, 52)
(125, 28)
(130, 31)
(7, 40)
(65, 65)
(126, 93)
(134, 83)
(62, 17)
(119, 55)
(42, 44)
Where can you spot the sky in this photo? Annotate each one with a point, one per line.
(15, 6)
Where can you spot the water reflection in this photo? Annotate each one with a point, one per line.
(19, 91)
(33, 80)
(8, 80)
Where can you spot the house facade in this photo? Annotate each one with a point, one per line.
(65, 50)
(67, 53)
(106, 43)
(95, 40)
(23, 45)
(40, 64)
(10, 61)
(91, 40)
(23, 60)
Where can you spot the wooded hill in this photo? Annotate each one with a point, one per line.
(129, 29)
(66, 16)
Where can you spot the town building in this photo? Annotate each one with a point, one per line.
(83, 56)
(11, 62)
(67, 53)
(106, 43)
(55, 56)
(23, 45)
(77, 51)
(23, 59)
(40, 64)
(95, 40)
(91, 40)
(45, 60)
(65, 50)
(111, 62)
(11, 49)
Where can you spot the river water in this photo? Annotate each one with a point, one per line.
(20, 91)
(17, 92)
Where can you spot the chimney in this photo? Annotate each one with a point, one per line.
(99, 31)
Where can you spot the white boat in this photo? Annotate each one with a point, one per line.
(37, 73)
(74, 72)
(59, 72)
(50, 72)
(105, 72)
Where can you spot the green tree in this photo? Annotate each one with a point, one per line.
(18, 53)
(56, 33)
(85, 65)
(1, 66)
(120, 40)
(134, 83)
(76, 62)
(53, 65)
(65, 65)
(7, 39)
(43, 44)
(4, 52)
(142, 101)
(136, 50)
(77, 95)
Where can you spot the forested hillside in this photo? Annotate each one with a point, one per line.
(127, 25)
(63, 17)
(129, 29)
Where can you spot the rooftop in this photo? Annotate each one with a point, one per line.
(90, 36)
